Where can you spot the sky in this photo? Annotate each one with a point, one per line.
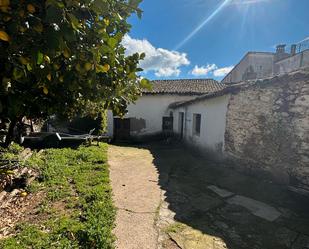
(206, 38)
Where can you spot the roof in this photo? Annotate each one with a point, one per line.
(232, 88)
(185, 86)
(222, 92)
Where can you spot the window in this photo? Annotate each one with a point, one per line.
(196, 124)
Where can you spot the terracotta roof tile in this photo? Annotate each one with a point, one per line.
(185, 86)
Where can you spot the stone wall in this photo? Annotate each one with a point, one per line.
(268, 127)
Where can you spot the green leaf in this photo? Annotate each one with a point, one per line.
(17, 73)
(100, 5)
(142, 56)
(112, 42)
(74, 21)
(54, 14)
(132, 76)
(29, 68)
(144, 83)
(40, 58)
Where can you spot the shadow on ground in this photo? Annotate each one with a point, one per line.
(185, 177)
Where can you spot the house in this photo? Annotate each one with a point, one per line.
(187, 107)
(201, 121)
(260, 65)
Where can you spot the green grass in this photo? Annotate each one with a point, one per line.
(79, 179)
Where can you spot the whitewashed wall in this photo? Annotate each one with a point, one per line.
(110, 123)
(149, 110)
(213, 122)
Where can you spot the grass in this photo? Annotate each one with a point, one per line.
(175, 227)
(78, 182)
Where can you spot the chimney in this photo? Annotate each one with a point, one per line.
(280, 49)
(293, 49)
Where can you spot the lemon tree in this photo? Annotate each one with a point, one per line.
(65, 57)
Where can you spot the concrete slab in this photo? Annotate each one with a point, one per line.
(220, 191)
(136, 194)
(257, 208)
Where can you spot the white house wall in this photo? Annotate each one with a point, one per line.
(147, 113)
(110, 123)
(213, 121)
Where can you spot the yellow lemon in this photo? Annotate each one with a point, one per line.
(22, 29)
(106, 67)
(30, 8)
(45, 90)
(4, 36)
(56, 66)
(88, 66)
(7, 18)
(4, 5)
(23, 60)
(47, 59)
(49, 77)
(78, 68)
(38, 28)
(106, 21)
(66, 53)
(23, 194)
(21, 13)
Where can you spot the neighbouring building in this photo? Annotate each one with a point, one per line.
(259, 65)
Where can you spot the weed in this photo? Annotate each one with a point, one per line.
(80, 179)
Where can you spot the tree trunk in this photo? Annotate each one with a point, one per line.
(10, 134)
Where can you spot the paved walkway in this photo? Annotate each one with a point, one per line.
(136, 195)
(169, 198)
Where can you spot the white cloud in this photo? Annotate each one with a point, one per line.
(211, 69)
(161, 61)
(203, 70)
(220, 72)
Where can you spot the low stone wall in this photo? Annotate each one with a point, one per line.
(268, 127)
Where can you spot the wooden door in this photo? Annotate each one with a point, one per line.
(121, 129)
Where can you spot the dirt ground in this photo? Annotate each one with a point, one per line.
(169, 197)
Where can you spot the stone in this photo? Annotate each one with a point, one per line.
(220, 191)
(257, 208)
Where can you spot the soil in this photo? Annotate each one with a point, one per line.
(20, 209)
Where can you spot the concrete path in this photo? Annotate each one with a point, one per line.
(136, 195)
(170, 198)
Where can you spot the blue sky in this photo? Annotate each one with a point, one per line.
(205, 38)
